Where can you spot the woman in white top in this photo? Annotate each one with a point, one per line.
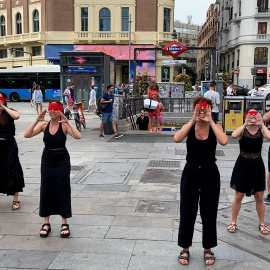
(38, 98)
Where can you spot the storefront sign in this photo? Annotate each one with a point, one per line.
(174, 49)
(261, 71)
(236, 72)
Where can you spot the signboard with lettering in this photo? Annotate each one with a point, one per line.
(174, 49)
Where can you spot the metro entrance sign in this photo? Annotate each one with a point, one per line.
(174, 49)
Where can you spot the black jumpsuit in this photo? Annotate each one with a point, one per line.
(200, 183)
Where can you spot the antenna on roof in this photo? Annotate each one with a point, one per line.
(189, 18)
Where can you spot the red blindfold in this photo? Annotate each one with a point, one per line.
(203, 104)
(252, 113)
(55, 107)
(4, 99)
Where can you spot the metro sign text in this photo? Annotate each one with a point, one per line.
(174, 49)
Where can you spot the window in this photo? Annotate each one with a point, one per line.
(35, 21)
(3, 53)
(262, 5)
(262, 28)
(18, 23)
(167, 20)
(36, 50)
(260, 56)
(19, 52)
(125, 19)
(104, 20)
(3, 26)
(84, 19)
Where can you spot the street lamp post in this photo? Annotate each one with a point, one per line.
(129, 51)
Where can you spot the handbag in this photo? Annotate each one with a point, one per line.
(150, 105)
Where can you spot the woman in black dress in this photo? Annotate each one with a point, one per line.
(55, 192)
(11, 176)
(248, 175)
(200, 182)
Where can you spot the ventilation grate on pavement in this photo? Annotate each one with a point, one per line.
(77, 168)
(184, 152)
(161, 176)
(164, 164)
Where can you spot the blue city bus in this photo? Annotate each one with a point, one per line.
(18, 83)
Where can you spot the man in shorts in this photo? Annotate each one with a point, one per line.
(93, 98)
(107, 113)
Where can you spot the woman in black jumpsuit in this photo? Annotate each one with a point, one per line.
(200, 182)
(55, 192)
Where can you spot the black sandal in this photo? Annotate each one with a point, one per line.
(16, 205)
(212, 257)
(65, 235)
(44, 235)
(180, 257)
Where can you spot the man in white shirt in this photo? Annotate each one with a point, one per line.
(230, 90)
(255, 92)
(93, 98)
(215, 98)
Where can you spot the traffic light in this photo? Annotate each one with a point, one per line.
(206, 64)
(11, 50)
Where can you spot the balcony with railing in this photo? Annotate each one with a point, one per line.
(228, 4)
(23, 38)
(237, 17)
(103, 36)
(263, 12)
(262, 61)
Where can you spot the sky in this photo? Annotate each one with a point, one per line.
(196, 8)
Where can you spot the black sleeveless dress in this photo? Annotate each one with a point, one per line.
(249, 172)
(55, 191)
(11, 173)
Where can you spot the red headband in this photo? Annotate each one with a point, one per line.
(203, 104)
(55, 107)
(251, 113)
(3, 99)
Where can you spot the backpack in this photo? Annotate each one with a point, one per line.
(101, 106)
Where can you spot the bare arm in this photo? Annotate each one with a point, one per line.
(266, 117)
(220, 135)
(15, 115)
(35, 129)
(69, 128)
(238, 133)
(183, 132)
(105, 101)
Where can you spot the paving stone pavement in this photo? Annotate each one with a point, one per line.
(125, 203)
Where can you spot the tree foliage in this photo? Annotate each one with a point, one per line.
(189, 71)
(185, 79)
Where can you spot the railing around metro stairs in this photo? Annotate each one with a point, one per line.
(134, 105)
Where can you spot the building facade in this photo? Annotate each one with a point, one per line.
(38, 31)
(188, 35)
(243, 40)
(207, 38)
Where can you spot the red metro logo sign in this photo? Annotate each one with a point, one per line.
(80, 60)
(174, 49)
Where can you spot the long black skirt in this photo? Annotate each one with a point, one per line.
(55, 191)
(11, 174)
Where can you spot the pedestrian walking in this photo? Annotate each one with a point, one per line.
(230, 90)
(38, 98)
(153, 93)
(160, 118)
(200, 182)
(55, 191)
(248, 176)
(11, 176)
(66, 96)
(93, 98)
(215, 98)
(107, 113)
